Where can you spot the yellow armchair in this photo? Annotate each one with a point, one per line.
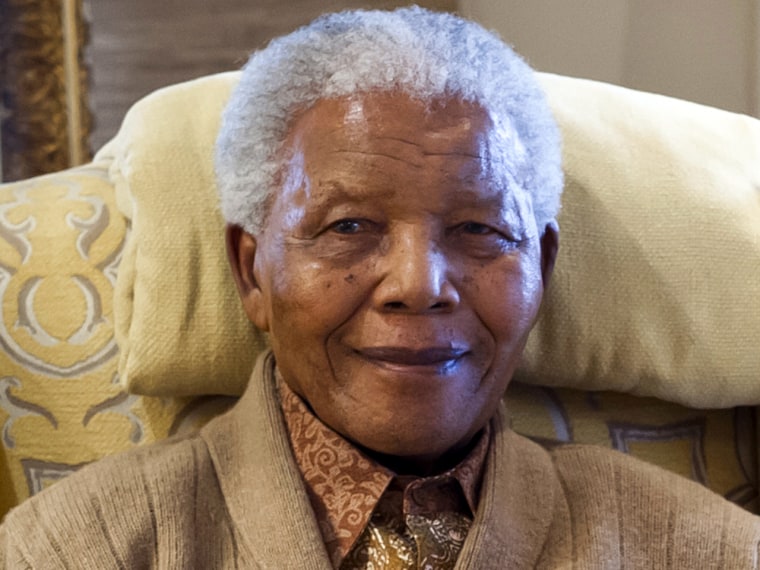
(64, 401)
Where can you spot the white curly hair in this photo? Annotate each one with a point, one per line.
(425, 54)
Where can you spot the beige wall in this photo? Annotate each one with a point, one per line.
(702, 50)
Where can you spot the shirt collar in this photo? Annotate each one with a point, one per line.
(344, 485)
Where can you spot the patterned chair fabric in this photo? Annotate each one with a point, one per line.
(62, 406)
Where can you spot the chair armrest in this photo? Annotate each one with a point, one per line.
(61, 405)
(717, 448)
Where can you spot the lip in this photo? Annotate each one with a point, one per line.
(397, 356)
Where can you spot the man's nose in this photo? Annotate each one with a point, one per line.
(416, 276)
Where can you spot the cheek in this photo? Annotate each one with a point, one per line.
(509, 301)
(307, 311)
(313, 303)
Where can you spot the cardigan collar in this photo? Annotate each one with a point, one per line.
(270, 509)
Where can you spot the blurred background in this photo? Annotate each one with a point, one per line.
(70, 69)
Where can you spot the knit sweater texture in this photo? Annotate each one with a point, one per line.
(231, 496)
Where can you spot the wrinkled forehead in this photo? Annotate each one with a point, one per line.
(390, 140)
(442, 126)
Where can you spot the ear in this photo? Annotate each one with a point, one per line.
(241, 253)
(549, 248)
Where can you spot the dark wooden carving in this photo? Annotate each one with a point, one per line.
(34, 127)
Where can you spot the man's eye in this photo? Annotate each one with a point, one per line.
(476, 229)
(346, 226)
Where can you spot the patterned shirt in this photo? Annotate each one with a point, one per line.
(354, 498)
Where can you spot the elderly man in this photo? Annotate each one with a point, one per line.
(391, 182)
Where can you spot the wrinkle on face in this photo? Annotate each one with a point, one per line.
(378, 155)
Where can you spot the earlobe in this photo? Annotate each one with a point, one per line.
(241, 254)
(549, 248)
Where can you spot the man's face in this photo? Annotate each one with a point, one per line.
(399, 272)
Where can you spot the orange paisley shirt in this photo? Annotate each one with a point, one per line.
(351, 494)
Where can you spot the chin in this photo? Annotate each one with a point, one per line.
(410, 449)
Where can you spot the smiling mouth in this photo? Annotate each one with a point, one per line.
(435, 357)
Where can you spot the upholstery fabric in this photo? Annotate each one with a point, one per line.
(655, 290)
(717, 448)
(179, 322)
(61, 405)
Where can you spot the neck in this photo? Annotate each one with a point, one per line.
(424, 465)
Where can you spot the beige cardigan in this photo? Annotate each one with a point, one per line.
(232, 497)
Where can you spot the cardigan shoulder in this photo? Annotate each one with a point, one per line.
(628, 513)
(107, 514)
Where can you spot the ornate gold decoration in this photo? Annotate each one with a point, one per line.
(18, 408)
(42, 474)
(41, 46)
(30, 333)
